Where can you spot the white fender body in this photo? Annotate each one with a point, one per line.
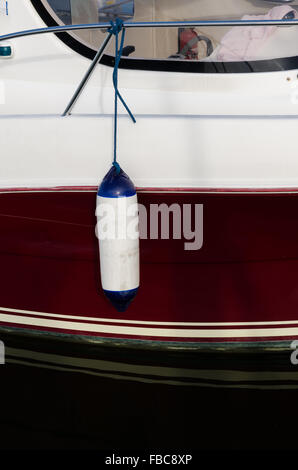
(117, 232)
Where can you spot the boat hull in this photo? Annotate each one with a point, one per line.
(240, 287)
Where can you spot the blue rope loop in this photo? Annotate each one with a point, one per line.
(116, 26)
(117, 167)
(115, 29)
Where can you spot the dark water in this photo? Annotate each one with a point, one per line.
(126, 399)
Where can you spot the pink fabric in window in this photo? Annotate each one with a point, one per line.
(243, 42)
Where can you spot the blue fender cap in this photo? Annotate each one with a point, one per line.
(121, 299)
(116, 184)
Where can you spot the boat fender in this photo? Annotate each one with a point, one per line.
(117, 232)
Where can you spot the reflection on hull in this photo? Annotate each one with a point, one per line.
(60, 395)
(253, 370)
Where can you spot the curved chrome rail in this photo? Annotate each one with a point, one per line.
(149, 24)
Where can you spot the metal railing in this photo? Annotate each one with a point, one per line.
(136, 24)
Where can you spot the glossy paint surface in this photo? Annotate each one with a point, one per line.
(240, 286)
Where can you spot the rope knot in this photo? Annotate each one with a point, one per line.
(116, 26)
(117, 167)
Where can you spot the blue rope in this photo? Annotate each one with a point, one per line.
(116, 27)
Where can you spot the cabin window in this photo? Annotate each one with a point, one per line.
(88, 11)
(187, 47)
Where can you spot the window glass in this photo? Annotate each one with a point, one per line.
(89, 11)
(62, 10)
(216, 44)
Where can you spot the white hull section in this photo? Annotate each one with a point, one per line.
(163, 152)
(192, 130)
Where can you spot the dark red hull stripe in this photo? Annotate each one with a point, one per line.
(241, 286)
(186, 190)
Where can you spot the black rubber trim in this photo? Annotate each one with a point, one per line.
(189, 66)
(170, 65)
